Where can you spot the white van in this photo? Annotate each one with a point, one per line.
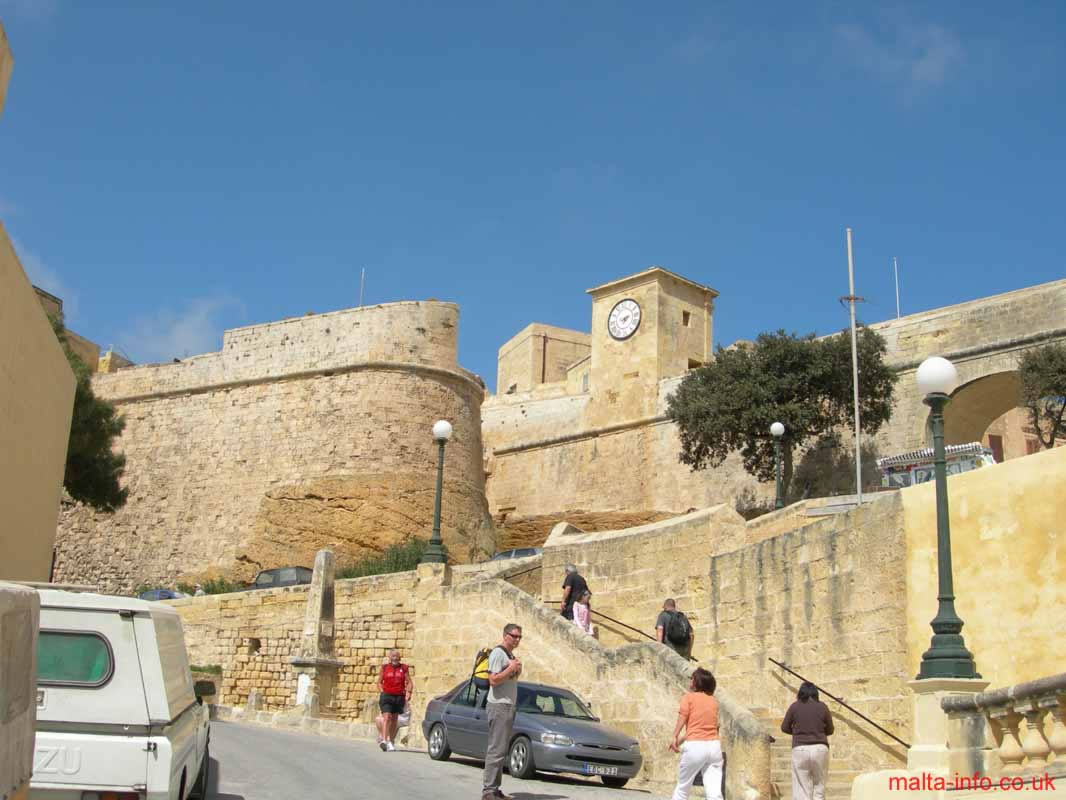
(117, 714)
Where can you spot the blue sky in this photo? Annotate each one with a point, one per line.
(175, 169)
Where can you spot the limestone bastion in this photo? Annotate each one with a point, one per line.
(298, 435)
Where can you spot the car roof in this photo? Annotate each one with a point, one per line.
(53, 598)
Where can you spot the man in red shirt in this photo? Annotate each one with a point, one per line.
(395, 685)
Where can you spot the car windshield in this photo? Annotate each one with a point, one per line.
(551, 702)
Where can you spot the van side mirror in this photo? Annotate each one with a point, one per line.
(203, 689)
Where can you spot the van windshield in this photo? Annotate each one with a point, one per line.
(73, 658)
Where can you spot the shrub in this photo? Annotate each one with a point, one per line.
(211, 669)
(400, 557)
(211, 586)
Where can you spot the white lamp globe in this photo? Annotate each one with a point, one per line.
(777, 429)
(937, 375)
(442, 430)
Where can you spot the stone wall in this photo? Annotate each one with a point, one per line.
(634, 689)
(19, 620)
(825, 595)
(620, 462)
(981, 337)
(253, 636)
(299, 435)
(538, 354)
(1008, 554)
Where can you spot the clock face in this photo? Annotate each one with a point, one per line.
(624, 319)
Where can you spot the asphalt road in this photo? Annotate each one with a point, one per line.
(250, 762)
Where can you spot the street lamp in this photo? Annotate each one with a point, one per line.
(777, 430)
(442, 432)
(947, 656)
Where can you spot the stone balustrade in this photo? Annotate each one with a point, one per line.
(1017, 730)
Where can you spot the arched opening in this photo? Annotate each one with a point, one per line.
(976, 405)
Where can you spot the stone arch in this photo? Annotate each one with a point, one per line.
(978, 403)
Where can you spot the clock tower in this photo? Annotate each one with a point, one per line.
(645, 327)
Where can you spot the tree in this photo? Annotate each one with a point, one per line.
(1043, 376)
(802, 382)
(93, 469)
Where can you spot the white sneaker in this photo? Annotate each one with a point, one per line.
(389, 746)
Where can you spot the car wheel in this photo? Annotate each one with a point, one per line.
(613, 782)
(520, 759)
(199, 789)
(438, 743)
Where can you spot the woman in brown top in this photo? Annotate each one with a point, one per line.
(701, 750)
(810, 723)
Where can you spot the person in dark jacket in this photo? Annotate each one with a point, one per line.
(811, 725)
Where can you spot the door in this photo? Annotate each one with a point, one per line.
(468, 729)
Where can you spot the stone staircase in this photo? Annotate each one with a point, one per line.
(838, 787)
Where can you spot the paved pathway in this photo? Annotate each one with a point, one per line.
(251, 762)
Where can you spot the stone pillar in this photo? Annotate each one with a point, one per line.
(316, 666)
(929, 747)
(930, 754)
(433, 582)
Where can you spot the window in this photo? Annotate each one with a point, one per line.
(1031, 446)
(685, 317)
(467, 695)
(995, 444)
(73, 658)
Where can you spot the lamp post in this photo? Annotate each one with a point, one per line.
(947, 656)
(777, 430)
(442, 432)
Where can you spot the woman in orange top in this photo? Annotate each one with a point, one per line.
(701, 750)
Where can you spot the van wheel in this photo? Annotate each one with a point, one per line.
(438, 743)
(520, 760)
(614, 782)
(199, 789)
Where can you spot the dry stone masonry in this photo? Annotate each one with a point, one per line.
(298, 435)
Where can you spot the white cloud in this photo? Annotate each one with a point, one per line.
(919, 57)
(41, 274)
(168, 334)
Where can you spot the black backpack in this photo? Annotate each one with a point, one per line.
(678, 629)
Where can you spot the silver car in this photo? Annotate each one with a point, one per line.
(553, 732)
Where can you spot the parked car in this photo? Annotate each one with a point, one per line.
(118, 715)
(518, 552)
(161, 594)
(281, 576)
(553, 732)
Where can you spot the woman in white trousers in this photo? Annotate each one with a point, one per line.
(811, 725)
(701, 749)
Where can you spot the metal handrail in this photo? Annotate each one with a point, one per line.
(624, 625)
(837, 699)
(523, 572)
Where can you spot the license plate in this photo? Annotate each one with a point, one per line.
(599, 769)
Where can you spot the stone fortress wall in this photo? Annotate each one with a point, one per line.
(303, 434)
(844, 599)
(551, 429)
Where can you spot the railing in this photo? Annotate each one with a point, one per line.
(841, 702)
(1019, 717)
(618, 622)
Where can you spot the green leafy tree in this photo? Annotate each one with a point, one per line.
(802, 382)
(93, 469)
(1043, 376)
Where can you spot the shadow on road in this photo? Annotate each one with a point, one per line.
(544, 777)
(212, 784)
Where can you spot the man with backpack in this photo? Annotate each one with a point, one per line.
(504, 669)
(673, 629)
